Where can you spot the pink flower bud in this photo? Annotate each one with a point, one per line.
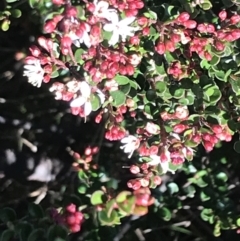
(134, 169)
(222, 15)
(190, 24)
(183, 17)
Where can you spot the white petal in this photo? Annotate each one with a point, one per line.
(101, 96)
(113, 17)
(78, 102)
(114, 39)
(126, 21)
(86, 40)
(87, 108)
(103, 5)
(109, 27)
(85, 89)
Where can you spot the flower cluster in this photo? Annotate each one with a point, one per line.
(69, 217)
(155, 81)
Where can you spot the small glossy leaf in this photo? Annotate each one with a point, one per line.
(16, 13)
(57, 231)
(160, 87)
(206, 214)
(121, 80)
(173, 188)
(222, 176)
(7, 214)
(7, 235)
(108, 220)
(97, 197)
(36, 235)
(95, 102)
(127, 206)
(151, 95)
(165, 213)
(24, 229)
(125, 89)
(122, 196)
(35, 210)
(119, 97)
(237, 146)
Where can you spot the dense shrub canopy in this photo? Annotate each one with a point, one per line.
(119, 120)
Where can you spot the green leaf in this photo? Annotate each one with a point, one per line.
(97, 197)
(119, 97)
(24, 229)
(215, 60)
(222, 176)
(82, 189)
(127, 206)
(160, 87)
(110, 207)
(204, 196)
(122, 196)
(151, 95)
(35, 210)
(36, 235)
(237, 146)
(165, 214)
(33, 3)
(78, 55)
(57, 231)
(54, 74)
(206, 5)
(232, 125)
(125, 89)
(108, 220)
(5, 25)
(173, 188)
(206, 214)
(7, 235)
(121, 80)
(95, 102)
(190, 190)
(7, 214)
(238, 222)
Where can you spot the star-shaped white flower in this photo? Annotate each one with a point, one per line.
(119, 28)
(34, 72)
(130, 144)
(84, 39)
(102, 9)
(83, 99)
(156, 160)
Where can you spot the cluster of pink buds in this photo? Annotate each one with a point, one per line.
(73, 218)
(115, 133)
(70, 217)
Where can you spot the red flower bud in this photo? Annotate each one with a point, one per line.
(160, 48)
(190, 24)
(183, 17)
(222, 15)
(235, 19)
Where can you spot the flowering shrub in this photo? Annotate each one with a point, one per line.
(163, 79)
(165, 73)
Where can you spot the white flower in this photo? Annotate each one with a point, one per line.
(102, 9)
(34, 72)
(83, 99)
(152, 128)
(119, 28)
(84, 39)
(101, 96)
(131, 143)
(157, 161)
